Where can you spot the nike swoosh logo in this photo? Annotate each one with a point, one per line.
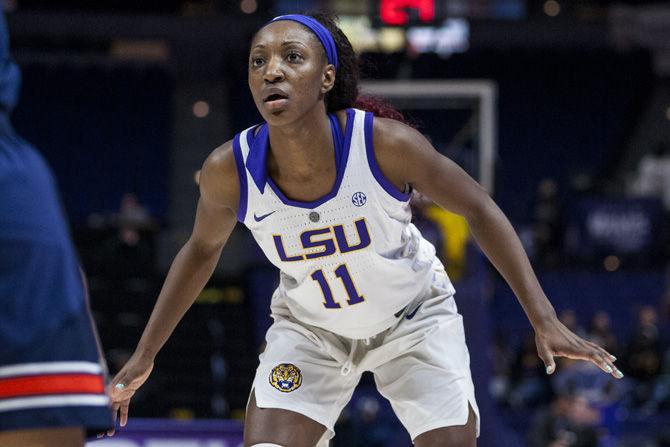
(410, 316)
(259, 218)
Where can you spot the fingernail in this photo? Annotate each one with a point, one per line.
(119, 386)
(550, 369)
(612, 358)
(608, 368)
(618, 374)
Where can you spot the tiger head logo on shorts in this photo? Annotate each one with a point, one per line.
(286, 377)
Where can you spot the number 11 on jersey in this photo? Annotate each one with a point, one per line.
(342, 273)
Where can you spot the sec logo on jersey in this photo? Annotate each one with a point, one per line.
(286, 377)
(359, 199)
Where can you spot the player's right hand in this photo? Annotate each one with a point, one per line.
(125, 384)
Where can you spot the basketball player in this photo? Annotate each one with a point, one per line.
(51, 380)
(324, 189)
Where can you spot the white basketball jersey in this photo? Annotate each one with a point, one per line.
(350, 260)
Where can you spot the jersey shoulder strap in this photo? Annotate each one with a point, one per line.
(241, 150)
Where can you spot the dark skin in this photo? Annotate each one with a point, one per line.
(44, 437)
(286, 56)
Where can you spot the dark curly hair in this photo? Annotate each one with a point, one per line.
(345, 92)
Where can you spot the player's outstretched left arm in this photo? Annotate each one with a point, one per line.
(406, 157)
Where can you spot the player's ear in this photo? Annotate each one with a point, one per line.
(328, 79)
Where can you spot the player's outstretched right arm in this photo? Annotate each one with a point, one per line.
(191, 269)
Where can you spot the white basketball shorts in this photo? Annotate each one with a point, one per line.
(421, 365)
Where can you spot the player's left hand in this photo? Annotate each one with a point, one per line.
(553, 339)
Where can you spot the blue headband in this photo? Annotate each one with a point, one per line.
(317, 28)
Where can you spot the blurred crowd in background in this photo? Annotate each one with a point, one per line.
(126, 99)
(579, 405)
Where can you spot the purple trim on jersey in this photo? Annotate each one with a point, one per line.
(258, 154)
(374, 167)
(341, 157)
(242, 175)
(338, 135)
(257, 160)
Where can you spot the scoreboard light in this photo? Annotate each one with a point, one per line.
(397, 12)
(406, 13)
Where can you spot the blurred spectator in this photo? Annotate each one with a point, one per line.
(665, 314)
(569, 318)
(448, 232)
(569, 421)
(128, 251)
(501, 364)
(428, 227)
(601, 332)
(370, 430)
(660, 395)
(643, 354)
(529, 386)
(587, 380)
(548, 225)
(132, 214)
(653, 177)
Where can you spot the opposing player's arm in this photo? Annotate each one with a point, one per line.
(405, 156)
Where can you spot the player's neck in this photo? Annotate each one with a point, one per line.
(302, 148)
